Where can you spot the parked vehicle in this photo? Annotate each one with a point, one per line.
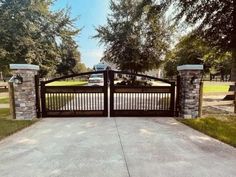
(96, 79)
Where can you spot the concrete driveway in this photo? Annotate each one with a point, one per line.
(121, 147)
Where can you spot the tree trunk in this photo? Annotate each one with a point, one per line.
(233, 50)
(233, 74)
(233, 70)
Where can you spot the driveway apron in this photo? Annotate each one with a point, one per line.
(64, 148)
(163, 147)
(114, 147)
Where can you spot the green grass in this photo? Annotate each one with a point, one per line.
(9, 126)
(68, 83)
(223, 129)
(4, 113)
(4, 100)
(215, 88)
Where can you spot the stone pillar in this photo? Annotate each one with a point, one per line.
(24, 93)
(190, 76)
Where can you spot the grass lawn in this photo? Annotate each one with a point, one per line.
(8, 126)
(215, 88)
(4, 100)
(67, 83)
(223, 129)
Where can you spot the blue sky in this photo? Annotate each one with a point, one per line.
(92, 13)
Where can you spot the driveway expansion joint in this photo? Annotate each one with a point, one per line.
(122, 148)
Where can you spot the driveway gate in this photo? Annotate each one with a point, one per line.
(127, 97)
(74, 101)
(140, 100)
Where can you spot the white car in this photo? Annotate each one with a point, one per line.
(96, 79)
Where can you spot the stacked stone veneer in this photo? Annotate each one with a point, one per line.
(24, 94)
(190, 91)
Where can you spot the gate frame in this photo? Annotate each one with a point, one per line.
(108, 77)
(104, 87)
(173, 100)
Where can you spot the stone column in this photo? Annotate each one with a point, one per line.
(190, 76)
(24, 93)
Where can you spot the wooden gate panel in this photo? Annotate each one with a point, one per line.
(127, 100)
(74, 101)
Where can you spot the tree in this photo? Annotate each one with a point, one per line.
(30, 31)
(193, 50)
(215, 21)
(135, 36)
(81, 67)
(69, 58)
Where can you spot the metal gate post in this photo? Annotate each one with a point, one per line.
(38, 108)
(172, 99)
(111, 78)
(43, 99)
(178, 92)
(105, 92)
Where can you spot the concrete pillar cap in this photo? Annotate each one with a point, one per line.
(189, 67)
(24, 67)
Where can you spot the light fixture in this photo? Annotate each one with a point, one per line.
(193, 80)
(18, 79)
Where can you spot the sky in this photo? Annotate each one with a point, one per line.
(91, 13)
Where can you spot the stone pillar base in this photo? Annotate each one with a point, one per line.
(190, 90)
(24, 93)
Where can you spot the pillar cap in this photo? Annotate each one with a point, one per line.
(24, 66)
(189, 67)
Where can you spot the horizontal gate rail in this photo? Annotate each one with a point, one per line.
(74, 89)
(146, 89)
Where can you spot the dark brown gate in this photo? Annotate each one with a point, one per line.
(74, 101)
(126, 98)
(135, 100)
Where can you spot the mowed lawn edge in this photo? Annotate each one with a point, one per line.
(67, 83)
(215, 88)
(221, 129)
(9, 126)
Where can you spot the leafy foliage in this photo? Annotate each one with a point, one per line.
(215, 20)
(193, 50)
(215, 23)
(135, 36)
(70, 57)
(30, 32)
